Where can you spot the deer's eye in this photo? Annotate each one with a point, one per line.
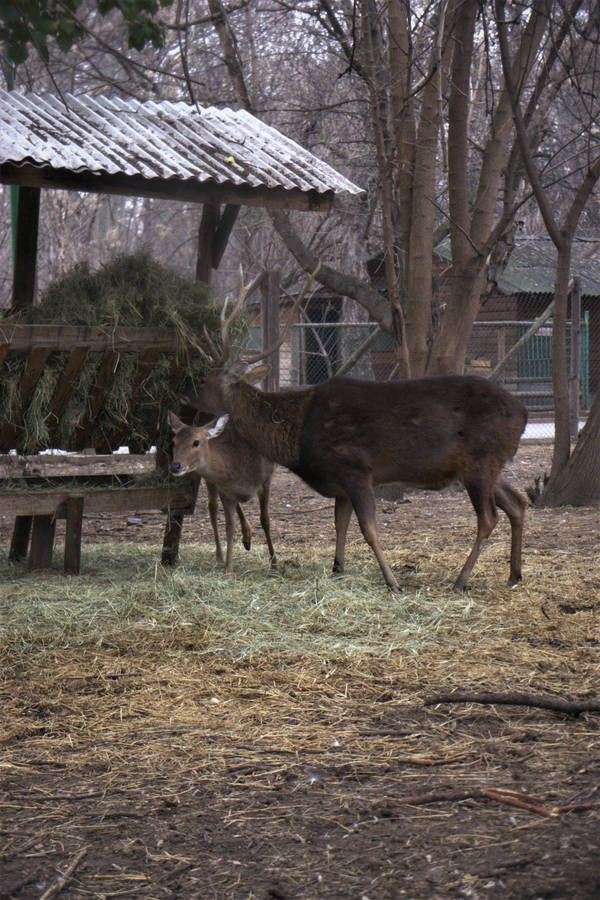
(196, 444)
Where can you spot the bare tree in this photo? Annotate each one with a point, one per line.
(572, 479)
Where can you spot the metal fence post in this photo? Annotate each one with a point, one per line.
(574, 380)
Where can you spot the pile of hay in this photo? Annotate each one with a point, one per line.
(129, 291)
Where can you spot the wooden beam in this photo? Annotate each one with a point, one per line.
(62, 392)
(53, 503)
(65, 337)
(224, 228)
(206, 241)
(75, 465)
(213, 235)
(166, 189)
(26, 249)
(102, 382)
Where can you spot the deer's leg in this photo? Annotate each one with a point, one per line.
(343, 511)
(245, 525)
(514, 506)
(363, 501)
(228, 508)
(265, 520)
(213, 509)
(487, 516)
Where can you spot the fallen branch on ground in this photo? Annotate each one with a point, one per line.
(572, 707)
(500, 795)
(64, 879)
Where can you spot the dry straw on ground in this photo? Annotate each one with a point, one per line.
(180, 733)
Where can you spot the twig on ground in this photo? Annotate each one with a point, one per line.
(64, 879)
(558, 704)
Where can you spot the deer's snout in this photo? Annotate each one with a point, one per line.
(176, 468)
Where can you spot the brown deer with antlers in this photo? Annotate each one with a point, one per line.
(232, 469)
(344, 436)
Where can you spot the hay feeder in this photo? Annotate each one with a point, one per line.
(39, 488)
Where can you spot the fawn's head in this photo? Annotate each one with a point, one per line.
(191, 444)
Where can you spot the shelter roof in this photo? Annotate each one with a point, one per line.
(531, 267)
(164, 149)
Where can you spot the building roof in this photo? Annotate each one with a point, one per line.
(105, 141)
(531, 267)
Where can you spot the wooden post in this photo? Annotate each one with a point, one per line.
(172, 537)
(19, 544)
(206, 241)
(26, 247)
(270, 326)
(74, 524)
(501, 337)
(224, 228)
(574, 380)
(42, 542)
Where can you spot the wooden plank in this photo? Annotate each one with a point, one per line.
(26, 248)
(121, 433)
(74, 465)
(99, 500)
(33, 369)
(62, 392)
(42, 541)
(74, 517)
(102, 383)
(31, 375)
(66, 337)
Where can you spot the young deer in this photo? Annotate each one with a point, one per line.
(232, 470)
(344, 436)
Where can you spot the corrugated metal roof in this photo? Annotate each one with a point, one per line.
(158, 140)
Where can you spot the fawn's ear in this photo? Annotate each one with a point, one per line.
(252, 376)
(174, 423)
(218, 427)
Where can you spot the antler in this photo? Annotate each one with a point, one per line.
(250, 358)
(218, 357)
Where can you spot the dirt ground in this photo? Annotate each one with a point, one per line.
(288, 777)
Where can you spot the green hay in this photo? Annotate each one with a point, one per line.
(130, 291)
(124, 597)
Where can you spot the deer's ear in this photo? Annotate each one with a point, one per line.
(174, 423)
(218, 427)
(256, 374)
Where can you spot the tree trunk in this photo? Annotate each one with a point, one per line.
(578, 483)
(451, 341)
(419, 239)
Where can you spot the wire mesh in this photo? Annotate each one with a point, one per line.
(514, 353)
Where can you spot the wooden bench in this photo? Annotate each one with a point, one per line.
(38, 488)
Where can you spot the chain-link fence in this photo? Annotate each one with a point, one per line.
(517, 354)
